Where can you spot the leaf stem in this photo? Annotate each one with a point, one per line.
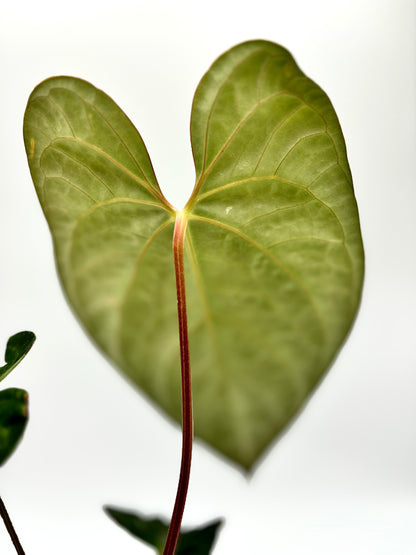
(9, 526)
(187, 423)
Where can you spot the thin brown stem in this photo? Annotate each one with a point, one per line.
(187, 424)
(10, 528)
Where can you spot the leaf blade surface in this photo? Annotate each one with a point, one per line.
(274, 260)
(13, 420)
(18, 345)
(97, 188)
(273, 229)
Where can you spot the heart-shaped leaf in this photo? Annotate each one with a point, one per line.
(198, 541)
(17, 348)
(13, 420)
(273, 252)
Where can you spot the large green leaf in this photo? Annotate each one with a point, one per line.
(274, 259)
(153, 531)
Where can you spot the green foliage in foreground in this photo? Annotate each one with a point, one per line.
(13, 402)
(153, 531)
(274, 258)
(17, 348)
(13, 420)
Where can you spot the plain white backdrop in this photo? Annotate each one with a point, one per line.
(342, 480)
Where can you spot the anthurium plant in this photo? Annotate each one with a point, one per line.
(250, 289)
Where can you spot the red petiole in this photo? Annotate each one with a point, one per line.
(187, 423)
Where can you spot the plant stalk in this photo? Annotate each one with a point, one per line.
(187, 422)
(10, 528)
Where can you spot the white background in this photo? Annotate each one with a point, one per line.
(343, 479)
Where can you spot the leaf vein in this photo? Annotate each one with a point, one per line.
(130, 285)
(60, 109)
(273, 258)
(98, 205)
(231, 137)
(274, 131)
(144, 184)
(223, 84)
(74, 185)
(278, 209)
(203, 296)
(297, 142)
(308, 238)
(54, 147)
(101, 115)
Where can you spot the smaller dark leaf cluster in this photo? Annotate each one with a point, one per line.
(13, 401)
(153, 531)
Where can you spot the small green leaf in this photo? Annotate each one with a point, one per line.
(13, 419)
(199, 541)
(273, 254)
(17, 348)
(153, 531)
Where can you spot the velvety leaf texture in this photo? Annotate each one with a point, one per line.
(274, 258)
(153, 531)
